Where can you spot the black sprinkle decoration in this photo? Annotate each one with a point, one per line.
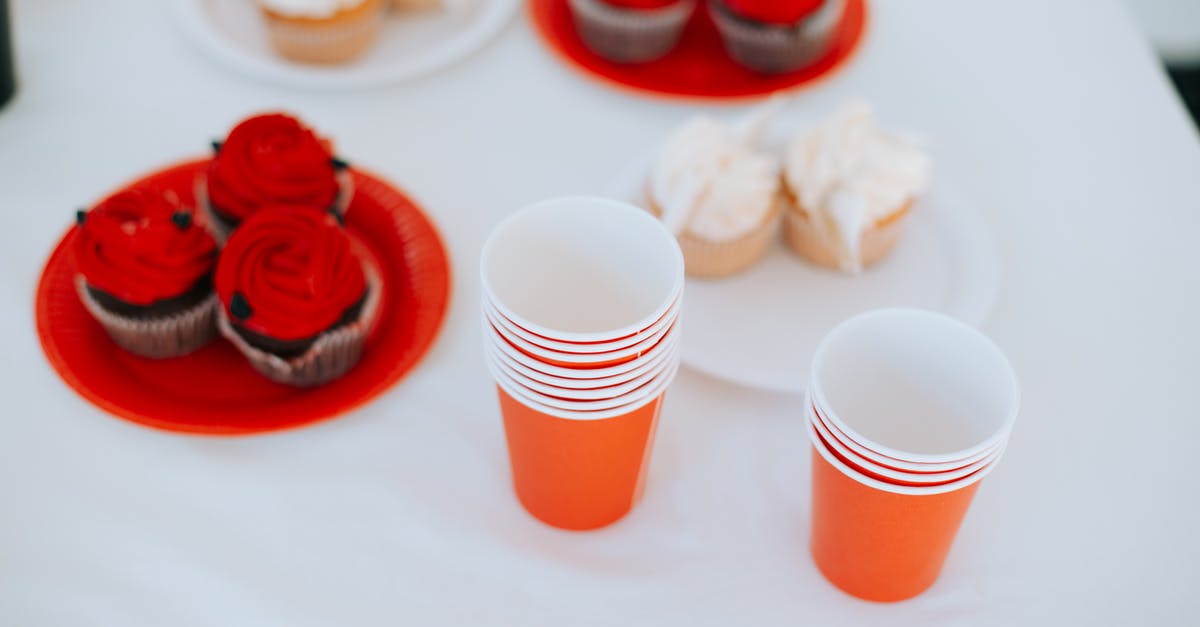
(337, 215)
(80, 216)
(182, 219)
(338, 164)
(216, 146)
(238, 307)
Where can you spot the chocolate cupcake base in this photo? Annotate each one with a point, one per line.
(630, 35)
(773, 48)
(330, 356)
(157, 337)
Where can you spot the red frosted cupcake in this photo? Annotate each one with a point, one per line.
(776, 36)
(271, 159)
(295, 298)
(631, 31)
(144, 271)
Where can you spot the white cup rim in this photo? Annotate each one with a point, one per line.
(644, 365)
(583, 359)
(818, 394)
(553, 344)
(577, 373)
(571, 336)
(585, 394)
(661, 387)
(586, 405)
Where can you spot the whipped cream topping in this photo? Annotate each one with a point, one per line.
(309, 8)
(708, 180)
(848, 174)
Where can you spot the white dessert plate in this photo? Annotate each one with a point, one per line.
(760, 328)
(233, 32)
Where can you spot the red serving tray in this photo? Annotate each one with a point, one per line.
(214, 391)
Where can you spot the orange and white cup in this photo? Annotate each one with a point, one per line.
(907, 411)
(581, 300)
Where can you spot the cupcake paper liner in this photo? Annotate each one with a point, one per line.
(221, 231)
(803, 235)
(158, 338)
(332, 355)
(709, 259)
(775, 49)
(323, 41)
(630, 35)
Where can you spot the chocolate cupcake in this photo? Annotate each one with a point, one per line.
(145, 272)
(631, 31)
(295, 298)
(271, 159)
(777, 36)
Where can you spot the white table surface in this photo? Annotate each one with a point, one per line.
(1054, 113)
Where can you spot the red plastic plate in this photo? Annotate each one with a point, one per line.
(698, 66)
(214, 391)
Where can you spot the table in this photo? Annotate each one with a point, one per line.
(1056, 114)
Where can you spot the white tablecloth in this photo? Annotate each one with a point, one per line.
(1055, 114)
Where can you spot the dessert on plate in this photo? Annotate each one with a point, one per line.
(271, 159)
(850, 186)
(408, 6)
(776, 36)
(631, 31)
(295, 297)
(718, 193)
(322, 31)
(144, 271)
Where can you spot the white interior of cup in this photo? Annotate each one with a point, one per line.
(871, 482)
(927, 478)
(507, 349)
(915, 385)
(591, 394)
(585, 359)
(582, 269)
(511, 327)
(647, 364)
(657, 388)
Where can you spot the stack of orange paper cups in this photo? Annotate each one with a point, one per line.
(581, 302)
(907, 411)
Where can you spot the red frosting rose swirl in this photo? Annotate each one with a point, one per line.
(289, 273)
(271, 159)
(140, 248)
(783, 12)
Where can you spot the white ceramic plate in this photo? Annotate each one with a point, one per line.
(760, 328)
(233, 32)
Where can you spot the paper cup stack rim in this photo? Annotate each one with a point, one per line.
(921, 344)
(579, 347)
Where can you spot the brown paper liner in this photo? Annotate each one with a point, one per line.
(775, 49)
(803, 236)
(707, 259)
(406, 6)
(221, 231)
(332, 40)
(630, 35)
(157, 338)
(332, 355)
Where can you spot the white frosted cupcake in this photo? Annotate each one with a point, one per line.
(718, 194)
(850, 186)
(322, 31)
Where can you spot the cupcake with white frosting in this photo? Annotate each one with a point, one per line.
(850, 184)
(717, 194)
(322, 31)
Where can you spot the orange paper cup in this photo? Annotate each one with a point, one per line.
(877, 541)
(578, 473)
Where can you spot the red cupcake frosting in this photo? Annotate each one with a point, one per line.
(289, 273)
(140, 248)
(642, 4)
(271, 159)
(775, 11)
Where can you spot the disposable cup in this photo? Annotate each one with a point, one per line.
(879, 541)
(581, 360)
(630, 397)
(890, 475)
(591, 394)
(648, 362)
(582, 373)
(910, 385)
(580, 347)
(578, 471)
(582, 269)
